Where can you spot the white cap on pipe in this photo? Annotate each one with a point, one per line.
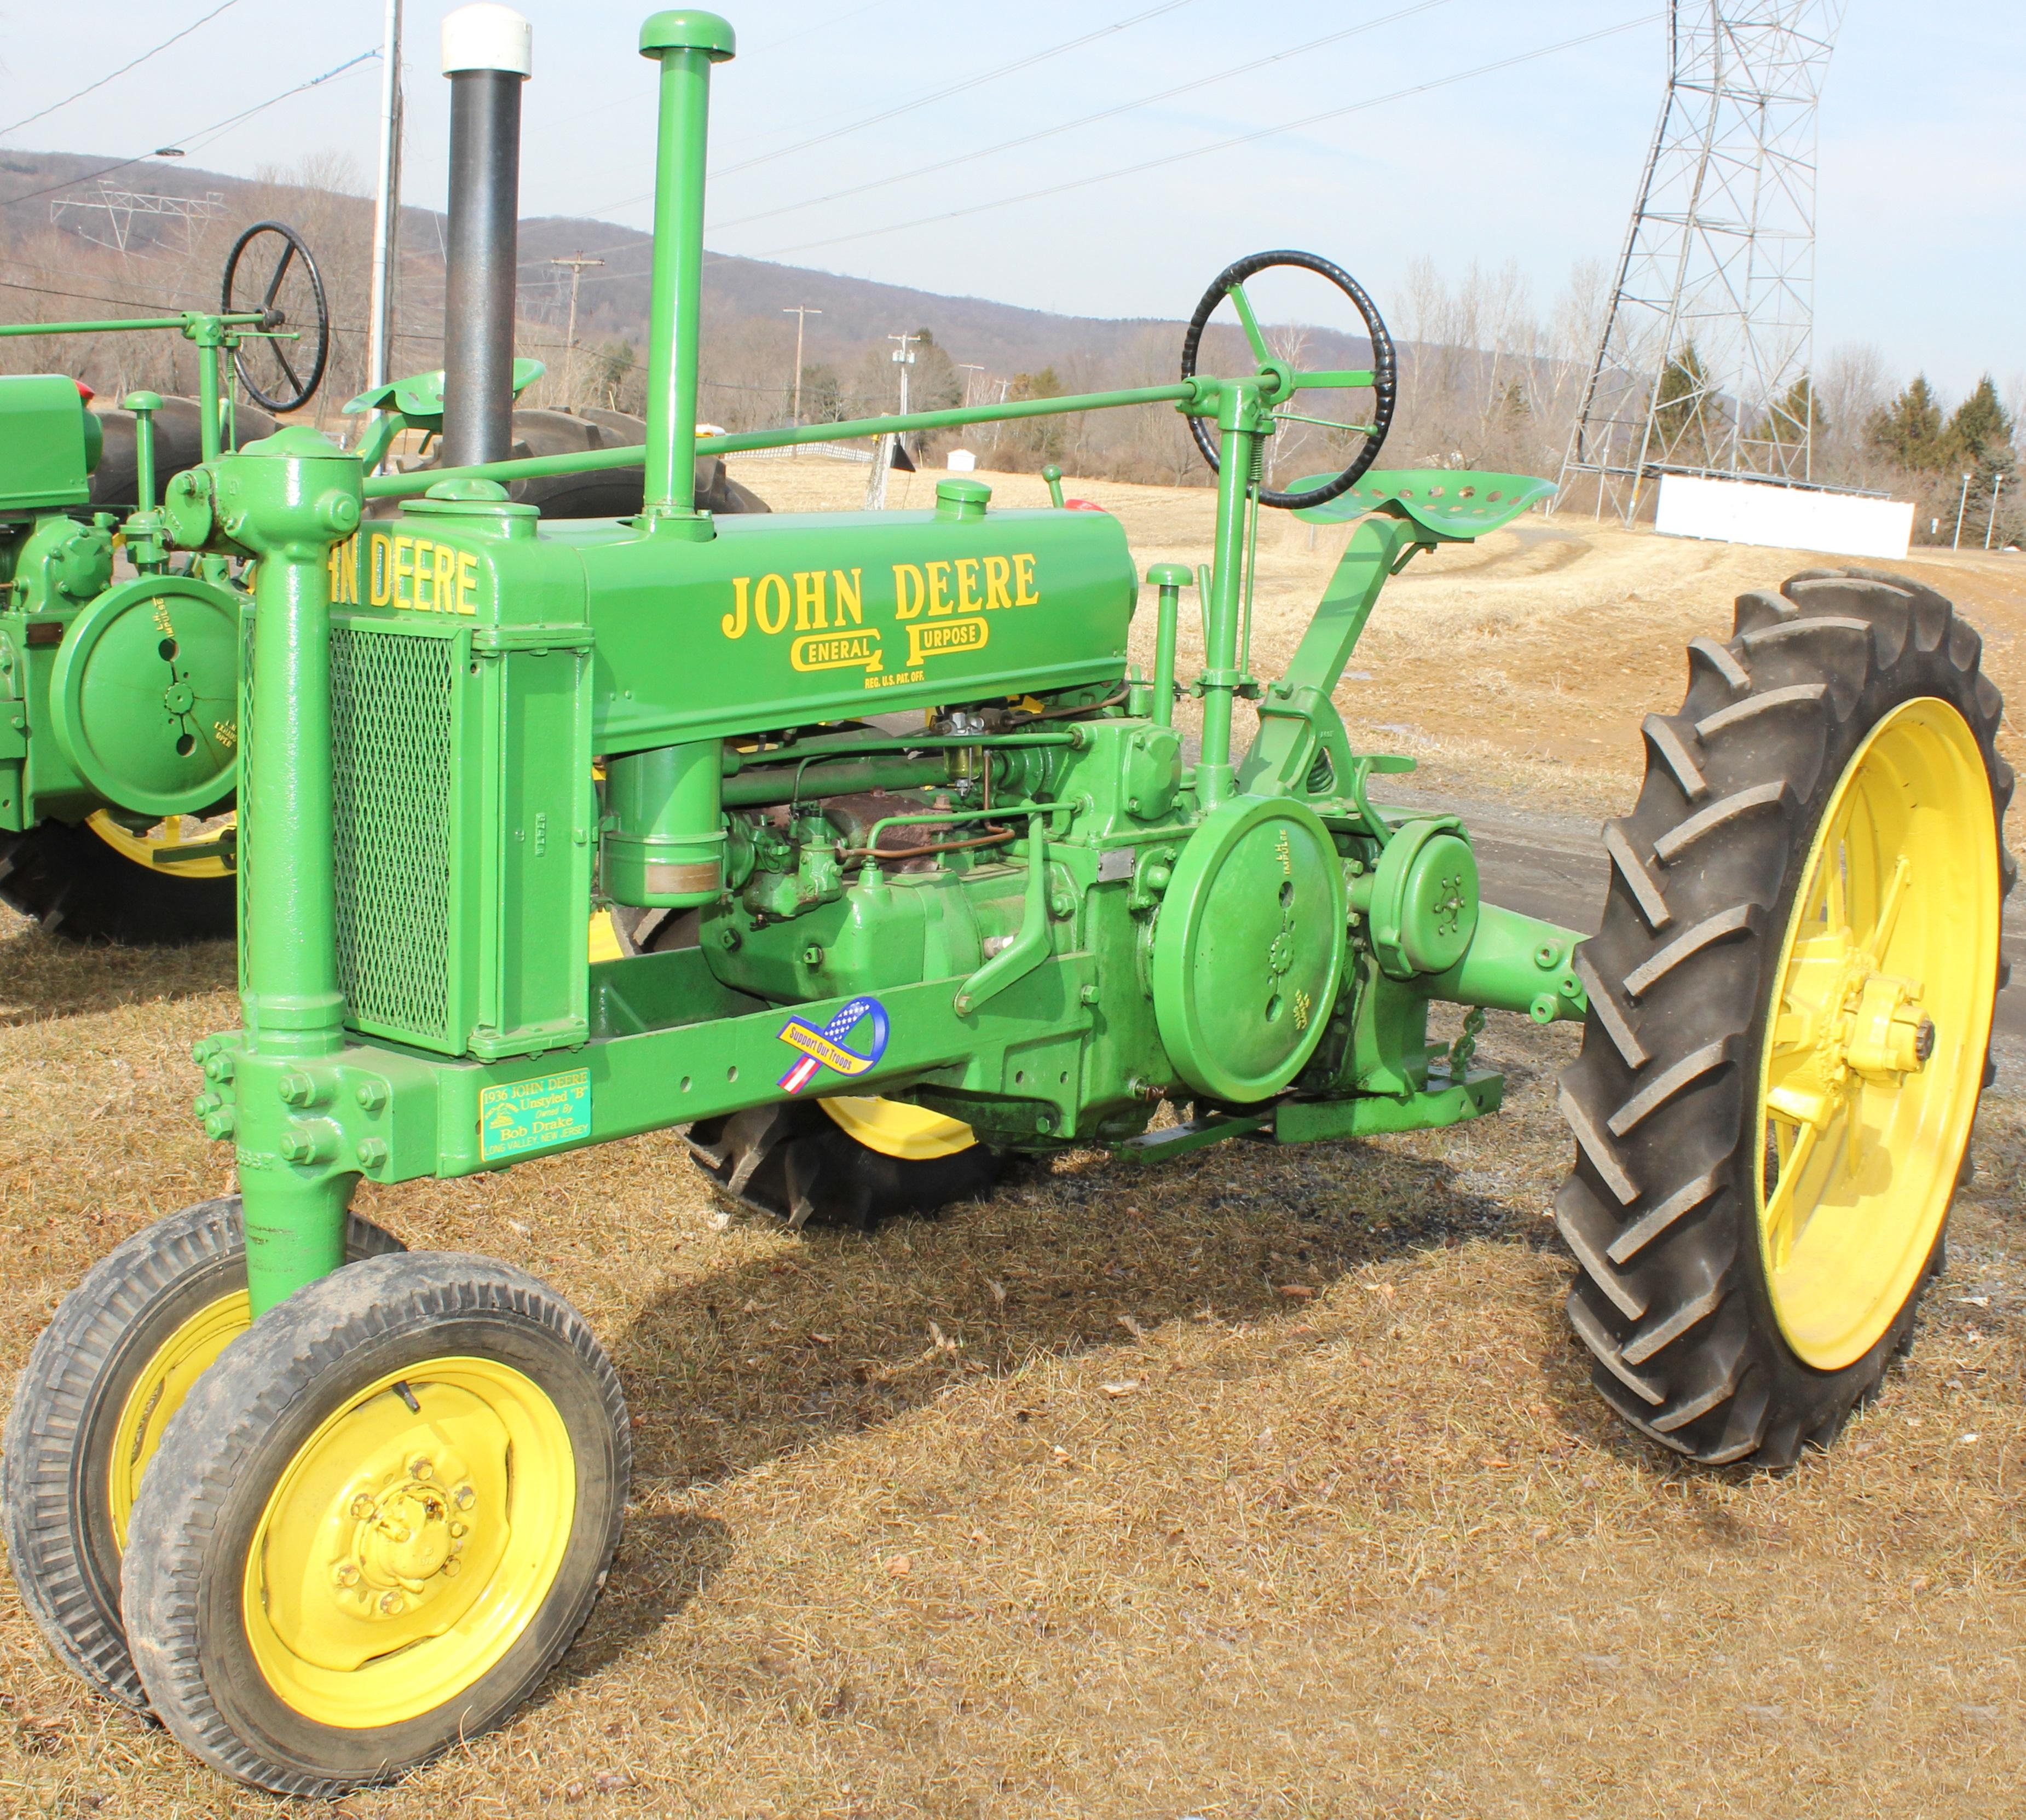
(487, 36)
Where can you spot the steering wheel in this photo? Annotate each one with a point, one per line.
(270, 271)
(1382, 379)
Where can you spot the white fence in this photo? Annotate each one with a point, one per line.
(833, 452)
(1783, 518)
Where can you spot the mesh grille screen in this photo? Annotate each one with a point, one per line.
(390, 700)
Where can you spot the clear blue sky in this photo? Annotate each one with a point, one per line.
(1923, 153)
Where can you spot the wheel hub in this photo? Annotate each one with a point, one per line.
(403, 1536)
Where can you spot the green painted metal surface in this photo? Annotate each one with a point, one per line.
(1029, 914)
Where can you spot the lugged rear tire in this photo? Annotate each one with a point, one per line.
(75, 886)
(792, 1162)
(1692, 1314)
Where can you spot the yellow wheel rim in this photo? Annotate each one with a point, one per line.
(158, 1393)
(893, 1128)
(404, 1551)
(160, 847)
(1871, 1067)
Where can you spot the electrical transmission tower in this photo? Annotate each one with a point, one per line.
(1703, 367)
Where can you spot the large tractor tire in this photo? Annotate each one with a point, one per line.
(843, 1161)
(178, 446)
(619, 492)
(1790, 1001)
(372, 1530)
(89, 1408)
(94, 880)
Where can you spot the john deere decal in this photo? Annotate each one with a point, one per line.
(850, 1043)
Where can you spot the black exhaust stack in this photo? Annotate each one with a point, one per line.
(487, 54)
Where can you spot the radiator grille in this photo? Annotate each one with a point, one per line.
(391, 732)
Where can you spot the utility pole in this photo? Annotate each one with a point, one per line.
(904, 357)
(1005, 386)
(1961, 505)
(875, 490)
(386, 204)
(1990, 524)
(800, 312)
(577, 265)
(968, 367)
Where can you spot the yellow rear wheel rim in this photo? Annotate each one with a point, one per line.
(403, 1552)
(1872, 1067)
(157, 848)
(893, 1128)
(158, 1393)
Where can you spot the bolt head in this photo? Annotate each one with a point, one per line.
(421, 1467)
(390, 1603)
(451, 1569)
(1924, 1040)
(346, 1574)
(464, 1498)
(458, 1529)
(364, 1509)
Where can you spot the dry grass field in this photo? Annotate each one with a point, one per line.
(1266, 1484)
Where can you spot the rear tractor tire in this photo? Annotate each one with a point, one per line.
(842, 1161)
(86, 885)
(374, 1529)
(1790, 1001)
(122, 1354)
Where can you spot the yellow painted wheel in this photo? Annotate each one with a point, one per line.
(374, 1535)
(128, 1348)
(894, 1128)
(407, 1549)
(1870, 1080)
(158, 1392)
(183, 846)
(99, 880)
(1790, 1000)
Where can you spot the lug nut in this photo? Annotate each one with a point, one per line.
(390, 1603)
(451, 1569)
(345, 1573)
(420, 1467)
(464, 1497)
(459, 1528)
(363, 1509)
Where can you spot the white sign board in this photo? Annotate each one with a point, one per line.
(1783, 518)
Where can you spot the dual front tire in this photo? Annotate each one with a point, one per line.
(370, 1531)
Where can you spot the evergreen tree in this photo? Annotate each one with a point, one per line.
(1797, 415)
(1980, 439)
(1909, 430)
(1687, 417)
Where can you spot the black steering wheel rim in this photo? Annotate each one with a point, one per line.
(302, 388)
(1385, 370)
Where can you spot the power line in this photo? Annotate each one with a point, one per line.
(939, 94)
(1089, 120)
(960, 87)
(204, 135)
(1223, 145)
(29, 119)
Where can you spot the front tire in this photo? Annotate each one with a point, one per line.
(118, 1360)
(1790, 1000)
(373, 1531)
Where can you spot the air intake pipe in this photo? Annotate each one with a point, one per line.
(488, 52)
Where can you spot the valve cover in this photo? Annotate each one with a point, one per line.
(1248, 948)
(144, 694)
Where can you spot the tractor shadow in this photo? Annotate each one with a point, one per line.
(43, 976)
(841, 1332)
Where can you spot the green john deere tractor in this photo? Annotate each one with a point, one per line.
(938, 881)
